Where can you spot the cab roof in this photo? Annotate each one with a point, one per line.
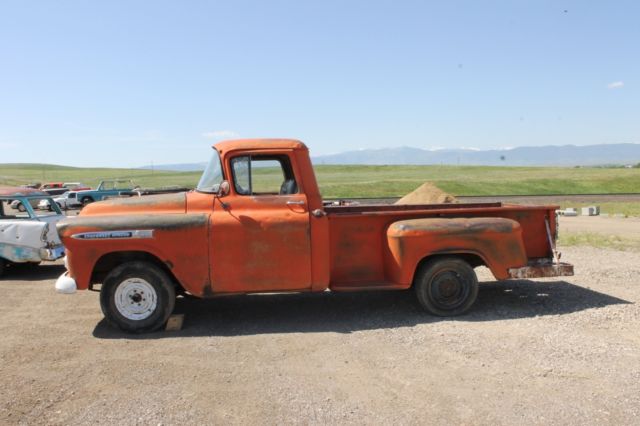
(235, 144)
(14, 191)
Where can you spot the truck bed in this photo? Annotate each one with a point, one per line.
(359, 249)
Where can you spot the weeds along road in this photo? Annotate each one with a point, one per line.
(546, 352)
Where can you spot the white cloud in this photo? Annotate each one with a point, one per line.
(220, 134)
(615, 85)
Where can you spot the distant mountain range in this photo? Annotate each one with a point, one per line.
(565, 155)
(552, 155)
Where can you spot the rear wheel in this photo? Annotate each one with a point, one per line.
(87, 200)
(446, 286)
(137, 297)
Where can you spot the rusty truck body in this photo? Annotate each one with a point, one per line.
(257, 223)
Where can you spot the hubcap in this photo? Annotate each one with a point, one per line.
(448, 290)
(136, 299)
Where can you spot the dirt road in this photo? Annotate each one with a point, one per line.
(558, 351)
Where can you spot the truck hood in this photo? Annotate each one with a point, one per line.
(162, 203)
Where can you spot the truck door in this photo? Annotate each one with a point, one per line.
(260, 236)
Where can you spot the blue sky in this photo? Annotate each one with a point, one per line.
(127, 83)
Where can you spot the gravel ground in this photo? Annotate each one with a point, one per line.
(546, 352)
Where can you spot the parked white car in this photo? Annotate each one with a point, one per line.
(27, 235)
(20, 204)
(62, 201)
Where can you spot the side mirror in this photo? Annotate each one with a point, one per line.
(223, 189)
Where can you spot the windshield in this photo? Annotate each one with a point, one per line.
(212, 176)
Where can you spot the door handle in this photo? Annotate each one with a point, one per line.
(295, 203)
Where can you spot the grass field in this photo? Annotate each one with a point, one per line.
(360, 181)
(376, 181)
(20, 174)
(593, 239)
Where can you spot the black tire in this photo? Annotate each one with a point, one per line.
(446, 286)
(59, 206)
(117, 305)
(21, 208)
(2, 265)
(86, 200)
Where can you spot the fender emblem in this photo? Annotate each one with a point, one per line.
(112, 235)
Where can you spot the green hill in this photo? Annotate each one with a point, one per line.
(375, 181)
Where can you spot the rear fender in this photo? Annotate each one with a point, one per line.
(497, 241)
(21, 240)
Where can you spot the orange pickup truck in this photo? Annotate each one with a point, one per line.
(256, 223)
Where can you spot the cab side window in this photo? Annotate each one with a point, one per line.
(263, 175)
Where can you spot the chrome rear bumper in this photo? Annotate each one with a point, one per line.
(542, 270)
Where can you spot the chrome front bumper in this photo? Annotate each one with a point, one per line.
(65, 284)
(52, 253)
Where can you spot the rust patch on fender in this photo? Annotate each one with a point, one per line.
(166, 222)
(172, 201)
(459, 226)
(159, 203)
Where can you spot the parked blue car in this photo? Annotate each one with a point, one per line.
(106, 189)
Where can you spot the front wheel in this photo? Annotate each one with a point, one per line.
(137, 297)
(446, 286)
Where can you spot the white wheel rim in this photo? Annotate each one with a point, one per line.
(136, 299)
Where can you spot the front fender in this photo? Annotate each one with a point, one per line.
(497, 241)
(180, 241)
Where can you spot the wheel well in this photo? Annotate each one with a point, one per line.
(106, 263)
(472, 259)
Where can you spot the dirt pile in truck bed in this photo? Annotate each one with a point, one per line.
(427, 193)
